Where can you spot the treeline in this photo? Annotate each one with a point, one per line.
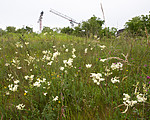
(11, 29)
(94, 27)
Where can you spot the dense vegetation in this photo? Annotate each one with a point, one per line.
(53, 75)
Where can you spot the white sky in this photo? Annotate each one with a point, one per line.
(26, 12)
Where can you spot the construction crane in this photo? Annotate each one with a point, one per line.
(72, 21)
(40, 20)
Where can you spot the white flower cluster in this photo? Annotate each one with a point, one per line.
(66, 50)
(26, 43)
(117, 66)
(30, 59)
(114, 80)
(16, 63)
(97, 78)
(19, 44)
(102, 46)
(12, 87)
(88, 65)
(141, 98)
(73, 53)
(61, 68)
(103, 60)
(10, 77)
(55, 55)
(38, 82)
(68, 63)
(48, 56)
(7, 64)
(55, 99)
(127, 102)
(30, 78)
(20, 106)
(107, 72)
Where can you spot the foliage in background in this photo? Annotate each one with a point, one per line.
(138, 25)
(90, 28)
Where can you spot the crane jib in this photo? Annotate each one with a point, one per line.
(64, 16)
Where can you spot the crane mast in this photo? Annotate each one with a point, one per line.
(40, 20)
(72, 21)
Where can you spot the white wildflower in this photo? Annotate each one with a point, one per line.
(64, 46)
(45, 93)
(55, 55)
(13, 87)
(141, 98)
(50, 63)
(20, 106)
(85, 51)
(25, 91)
(44, 52)
(68, 63)
(66, 50)
(114, 80)
(127, 97)
(73, 56)
(37, 84)
(7, 93)
(26, 43)
(16, 81)
(127, 102)
(62, 68)
(88, 65)
(116, 66)
(45, 33)
(26, 77)
(102, 46)
(97, 78)
(7, 64)
(73, 51)
(18, 44)
(19, 68)
(55, 99)
(103, 60)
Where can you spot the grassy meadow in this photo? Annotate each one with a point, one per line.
(61, 77)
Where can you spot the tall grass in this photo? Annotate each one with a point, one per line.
(35, 76)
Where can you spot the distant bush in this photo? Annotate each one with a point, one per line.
(67, 30)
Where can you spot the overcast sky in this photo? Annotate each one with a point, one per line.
(21, 13)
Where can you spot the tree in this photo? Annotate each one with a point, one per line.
(78, 31)
(2, 32)
(92, 26)
(11, 29)
(25, 30)
(46, 29)
(138, 24)
(67, 30)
